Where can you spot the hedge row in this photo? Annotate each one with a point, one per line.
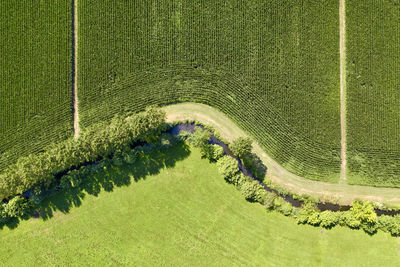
(19, 206)
(96, 142)
(361, 215)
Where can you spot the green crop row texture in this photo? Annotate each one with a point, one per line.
(35, 76)
(373, 91)
(272, 66)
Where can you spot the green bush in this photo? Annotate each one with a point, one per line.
(212, 152)
(228, 167)
(252, 191)
(241, 147)
(255, 165)
(268, 200)
(308, 214)
(362, 214)
(238, 179)
(200, 137)
(218, 152)
(389, 224)
(329, 218)
(286, 209)
(16, 207)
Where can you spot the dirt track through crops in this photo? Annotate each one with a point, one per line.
(75, 100)
(342, 47)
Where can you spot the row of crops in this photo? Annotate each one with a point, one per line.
(373, 91)
(35, 76)
(272, 66)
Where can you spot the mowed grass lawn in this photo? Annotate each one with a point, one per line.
(183, 215)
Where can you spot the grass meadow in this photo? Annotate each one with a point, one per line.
(173, 208)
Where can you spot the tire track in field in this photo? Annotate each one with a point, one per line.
(75, 100)
(342, 49)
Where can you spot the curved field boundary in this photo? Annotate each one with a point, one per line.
(343, 193)
(179, 83)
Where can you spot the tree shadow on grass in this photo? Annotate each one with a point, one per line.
(149, 163)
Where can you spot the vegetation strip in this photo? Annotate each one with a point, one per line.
(340, 193)
(342, 18)
(118, 143)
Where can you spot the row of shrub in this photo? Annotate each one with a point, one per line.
(361, 215)
(102, 140)
(112, 143)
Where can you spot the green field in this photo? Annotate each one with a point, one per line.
(35, 76)
(182, 214)
(373, 91)
(259, 62)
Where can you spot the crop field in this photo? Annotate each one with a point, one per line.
(35, 76)
(272, 66)
(180, 215)
(373, 63)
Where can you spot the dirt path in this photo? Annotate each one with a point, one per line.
(342, 193)
(75, 70)
(342, 47)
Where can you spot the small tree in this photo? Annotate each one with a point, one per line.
(308, 214)
(241, 147)
(252, 191)
(363, 214)
(200, 137)
(16, 207)
(228, 167)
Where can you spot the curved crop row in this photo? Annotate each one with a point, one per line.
(179, 83)
(273, 67)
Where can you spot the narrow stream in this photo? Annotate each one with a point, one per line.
(190, 127)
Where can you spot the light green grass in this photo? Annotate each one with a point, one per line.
(185, 215)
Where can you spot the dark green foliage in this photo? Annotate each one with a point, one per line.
(241, 147)
(98, 141)
(130, 157)
(256, 61)
(35, 71)
(118, 160)
(254, 164)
